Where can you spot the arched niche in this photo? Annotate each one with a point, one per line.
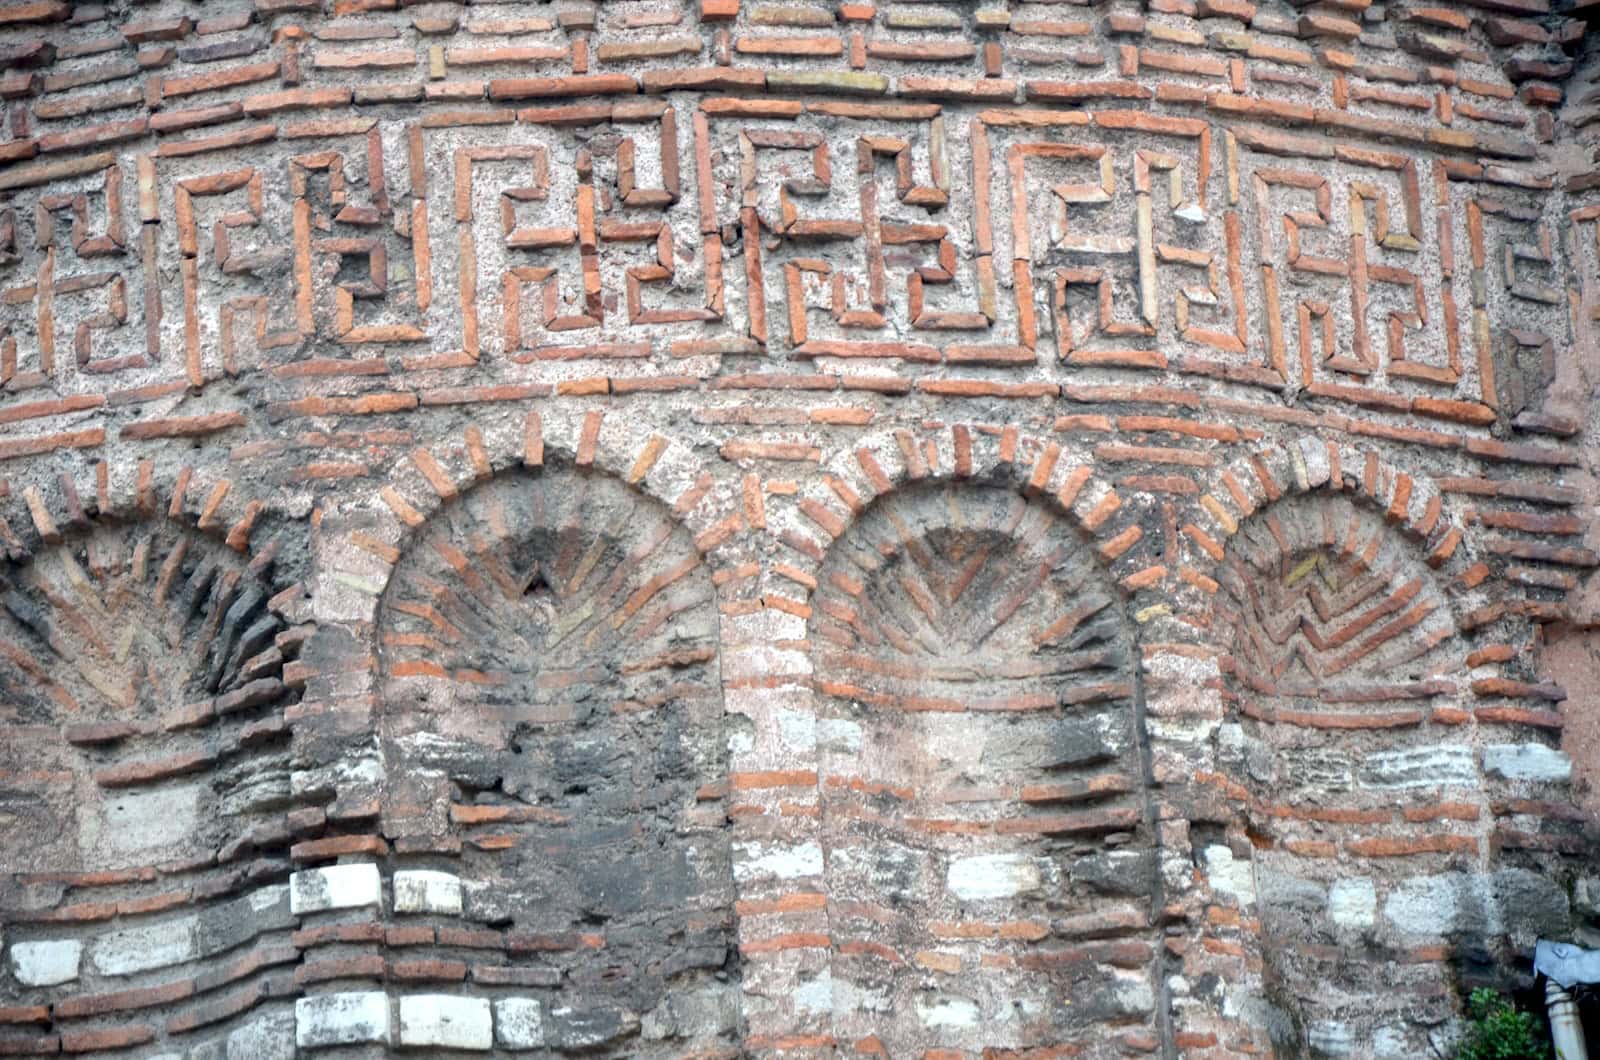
(991, 863)
(1370, 808)
(548, 662)
(141, 693)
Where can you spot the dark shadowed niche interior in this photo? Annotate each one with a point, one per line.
(548, 652)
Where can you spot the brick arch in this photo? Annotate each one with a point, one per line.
(1251, 485)
(147, 654)
(1035, 466)
(142, 627)
(125, 489)
(1353, 744)
(657, 466)
(548, 654)
(982, 766)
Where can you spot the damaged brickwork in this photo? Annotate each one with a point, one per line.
(728, 528)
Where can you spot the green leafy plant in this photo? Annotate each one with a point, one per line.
(1499, 1031)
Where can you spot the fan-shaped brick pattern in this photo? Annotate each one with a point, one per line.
(134, 656)
(145, 764)
(1324, 597)
(549, 663)
(989, 862)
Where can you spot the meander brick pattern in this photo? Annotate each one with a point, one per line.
(728, 528)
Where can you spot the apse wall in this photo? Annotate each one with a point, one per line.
(719, 528)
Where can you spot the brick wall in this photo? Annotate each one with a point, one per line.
(718, 528)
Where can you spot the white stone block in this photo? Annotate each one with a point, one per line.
(144, 948)
(753, 861)
(446, 1022)
(424, 891)
(1445, 765)
(341, 1019)
(268, 1037)
(1229, 875)
(1426, 906)
(1353, 903)
(46, 963)
(992, 876)
(135, 822)
(518, 1023)
(1527, 761)
(334, 887)
(947, 1010)
(1389, 1043)
(1331, 1038)
(1133, 994)
(815, 995)
(797, 729)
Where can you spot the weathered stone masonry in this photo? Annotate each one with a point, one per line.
(719, 528)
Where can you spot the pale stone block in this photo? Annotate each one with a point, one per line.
(1425, 906)
(446, 1022)
(145, 948)
(992, 876)
(1331, 1038)
(1527, 761)
(814, 995)
(334, 887)
(424, 891)
(1420, 767)
(341, 1019)
(1389, 1043)
(518, 1023)
(135, 822)
(948, 1011)
(1353, 903)
(46, 963)
(762, 861)
(1229, 875)
(271, 1037)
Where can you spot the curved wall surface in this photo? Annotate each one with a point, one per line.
(728, 528)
